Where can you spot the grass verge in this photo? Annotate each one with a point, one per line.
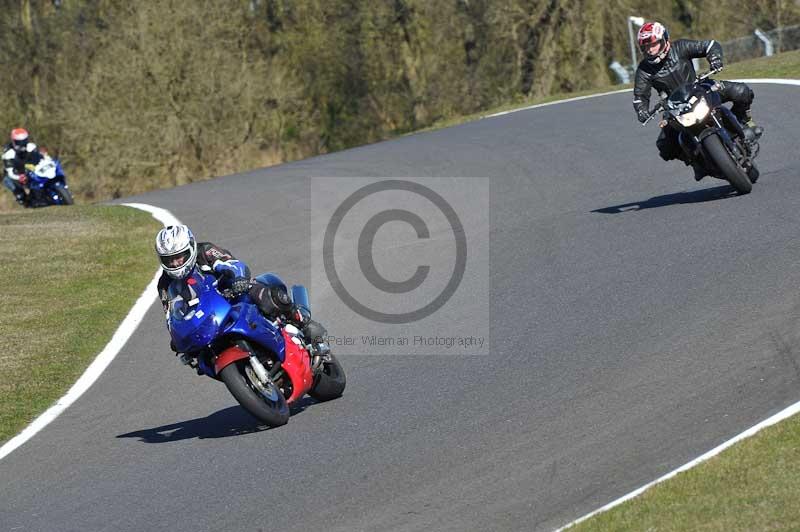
(751, 486)
(71, 276)
(784, 65)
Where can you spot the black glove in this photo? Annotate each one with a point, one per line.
(715, 62)
(240, 285)
(642, 114)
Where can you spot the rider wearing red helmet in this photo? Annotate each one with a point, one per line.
(16, 154)
(668, 65)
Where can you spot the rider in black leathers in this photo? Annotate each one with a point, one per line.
(16, 155)
(668, 65)
(180, 255)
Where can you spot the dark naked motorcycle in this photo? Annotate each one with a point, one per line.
(709, 132)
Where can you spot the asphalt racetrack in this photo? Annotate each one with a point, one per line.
(636, 319)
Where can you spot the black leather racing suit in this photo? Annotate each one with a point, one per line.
(273, 300)
(14, 166)
(675, 70)
(270, 296)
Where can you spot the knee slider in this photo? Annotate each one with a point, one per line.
(271, 300)
(742, 93)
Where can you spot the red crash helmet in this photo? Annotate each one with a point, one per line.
(653, 41)
(19, 138)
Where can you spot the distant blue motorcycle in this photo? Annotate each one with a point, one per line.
(266, 365)
(47, 184)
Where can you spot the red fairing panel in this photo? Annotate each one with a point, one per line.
(227, 357)
(297, 365)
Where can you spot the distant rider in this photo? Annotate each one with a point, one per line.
(667, 66)
(180, 255)
(16, 154)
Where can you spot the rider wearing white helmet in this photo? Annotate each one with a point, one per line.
(179, 254)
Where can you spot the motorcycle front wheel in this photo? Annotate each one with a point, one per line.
(724, 162)
(262, 400)
(66, 195)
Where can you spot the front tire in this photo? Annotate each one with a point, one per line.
(265, 403)
(329, 382)
(724, 162)
(66, 195)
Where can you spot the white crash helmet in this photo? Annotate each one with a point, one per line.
(177, 250)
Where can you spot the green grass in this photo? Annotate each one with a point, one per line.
(71, 274)
(754, 485)
(784, 65)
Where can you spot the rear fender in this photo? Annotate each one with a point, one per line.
(228, 357)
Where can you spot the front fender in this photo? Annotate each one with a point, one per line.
(228, 357)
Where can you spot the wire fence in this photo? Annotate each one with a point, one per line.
(751, 46)
(740, 49)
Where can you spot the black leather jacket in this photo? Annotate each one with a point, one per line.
(210, 259)
(14, 162)
(673, 71)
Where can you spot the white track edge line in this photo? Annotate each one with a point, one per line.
(780, 416)
(776, 81)
(109, 352)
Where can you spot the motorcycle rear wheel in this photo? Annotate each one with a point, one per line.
(330, 382)
(265, 403)
(730, 170)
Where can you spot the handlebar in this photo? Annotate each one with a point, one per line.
(708, 74)
(229, 293)
(660, 107)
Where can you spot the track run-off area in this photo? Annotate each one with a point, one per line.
(637, 319)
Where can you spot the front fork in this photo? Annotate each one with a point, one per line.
(742, 152)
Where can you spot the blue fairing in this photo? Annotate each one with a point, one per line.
(45, 185)
(198, 314)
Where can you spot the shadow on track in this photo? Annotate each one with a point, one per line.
(695, 196)
(231, 421)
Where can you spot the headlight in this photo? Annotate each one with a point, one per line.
(699, 112)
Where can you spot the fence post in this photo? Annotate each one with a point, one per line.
(620, 71)
(768, 49)
(639, 21)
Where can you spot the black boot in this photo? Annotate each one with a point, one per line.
(755, 131)
(313, 332)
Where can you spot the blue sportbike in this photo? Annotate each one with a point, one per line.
(266, 365)
(47, 184)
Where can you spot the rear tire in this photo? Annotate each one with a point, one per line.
(725, 163)
(329, 382)
(270, 408)
(66, 195)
